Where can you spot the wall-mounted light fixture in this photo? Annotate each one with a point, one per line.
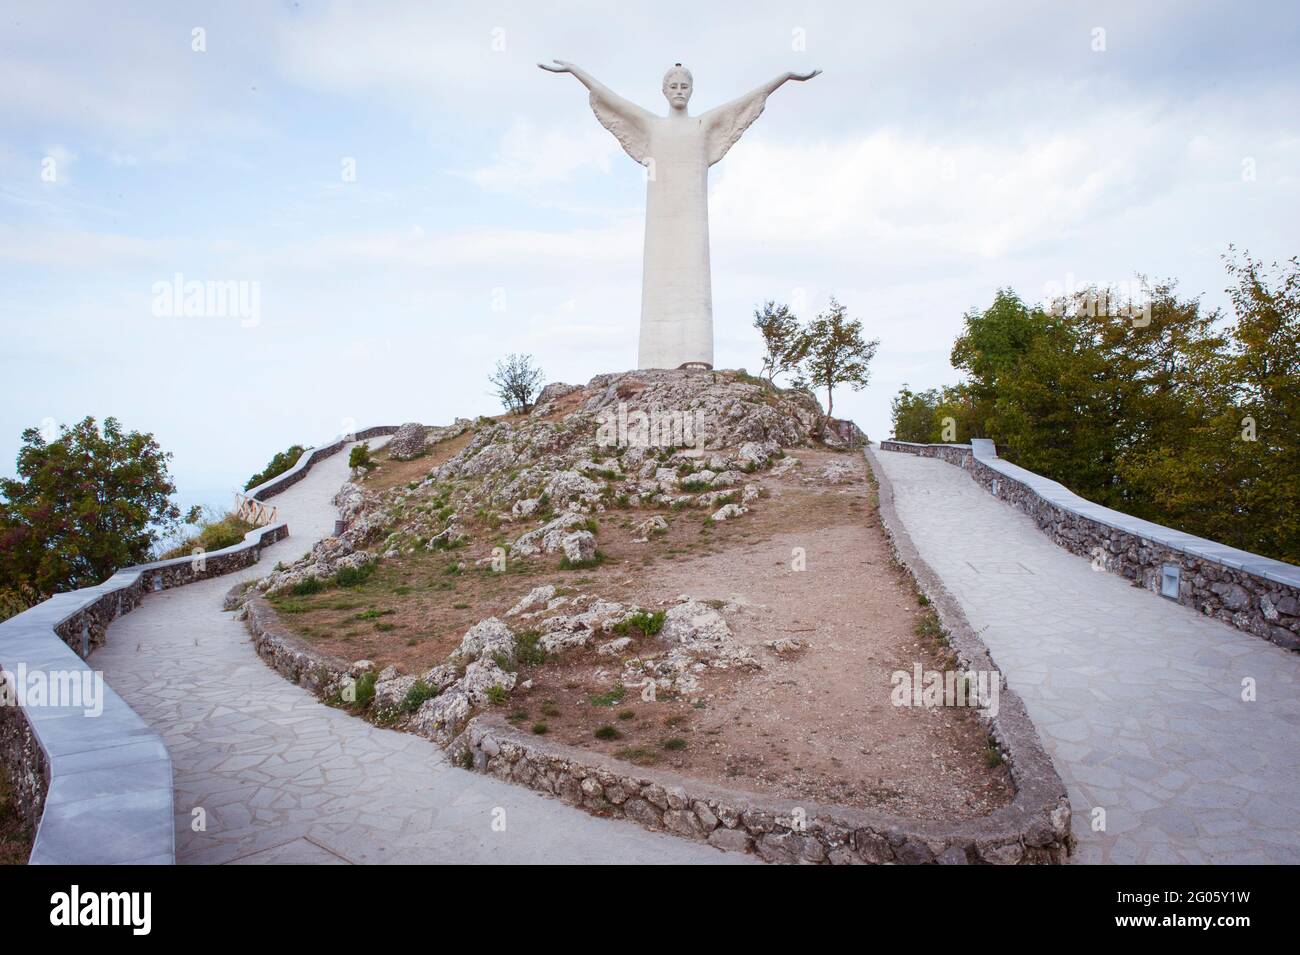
(1170, 575)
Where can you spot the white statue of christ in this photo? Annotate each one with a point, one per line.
(677, 151)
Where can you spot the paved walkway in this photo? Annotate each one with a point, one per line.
(283, 778)
(1138, 700)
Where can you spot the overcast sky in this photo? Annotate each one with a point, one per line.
(947, 150)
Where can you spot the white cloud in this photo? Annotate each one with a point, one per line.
(529, 157)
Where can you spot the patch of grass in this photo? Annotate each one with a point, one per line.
(992, 755)
(306, 587)
(611, 698)
(676, 720)
(518, 716)
(626, 715)
(928, 626)
(638, 755)
(695, 486)
(608, 732)
(291, 606)
(384, 626)
(540, 729)
(372, 614)
(649, 623)
(673, 743)
(460, 606)
(354, 576)
(496, 694)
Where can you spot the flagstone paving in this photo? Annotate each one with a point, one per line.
(274, 776)
(1138, 700)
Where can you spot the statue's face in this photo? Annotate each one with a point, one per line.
(677, 87)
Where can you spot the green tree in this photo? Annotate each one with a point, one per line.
(783, 342)
(835, 353)
(282, 462)
(517, 381)
(913, 414)
(83, 505)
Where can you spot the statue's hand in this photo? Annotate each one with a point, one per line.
(559, 67)
(804, 76)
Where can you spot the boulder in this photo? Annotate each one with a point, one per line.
(579, 547)
(480, 677)
(487, 639)
(694, 622)
(728, 511)
(535, 599)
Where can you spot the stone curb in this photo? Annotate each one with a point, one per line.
(1254, 594)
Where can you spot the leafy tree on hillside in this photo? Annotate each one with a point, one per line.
(913, 414)
(835, 353)
(83, 505)
(783, 342)
(517, 382)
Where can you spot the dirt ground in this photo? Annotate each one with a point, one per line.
(813, 723)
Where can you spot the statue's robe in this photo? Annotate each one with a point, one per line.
(677, 151)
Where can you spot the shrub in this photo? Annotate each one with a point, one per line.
(215, 531)
(645, 621)
(365, 689)
(527, 652)
(360, 457)
(496, 694)
(306, 587)
(608, 732)
(540, 729)
(674, 743)
(416, 695)
(279, 464)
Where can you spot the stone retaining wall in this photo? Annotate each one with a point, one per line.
(1255, 594)
(46, 752)
(282, 650)
(304, 463)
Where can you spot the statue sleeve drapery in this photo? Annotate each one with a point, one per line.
(726, 123)
(629, 123)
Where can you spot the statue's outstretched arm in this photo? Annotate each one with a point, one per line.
(629, 123)
(726, 123)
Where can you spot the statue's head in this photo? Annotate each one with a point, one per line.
(678, 84)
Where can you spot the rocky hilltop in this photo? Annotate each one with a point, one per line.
(533, 487)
